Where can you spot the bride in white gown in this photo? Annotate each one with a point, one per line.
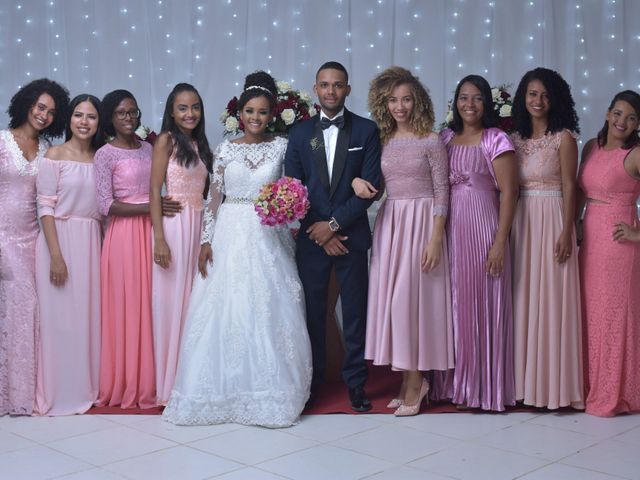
(245, 355)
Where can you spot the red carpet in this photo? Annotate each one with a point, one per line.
(333, 398)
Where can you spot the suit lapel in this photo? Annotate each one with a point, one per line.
(319, 154)
(342, 148)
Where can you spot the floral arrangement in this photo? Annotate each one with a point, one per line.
(502, 104)
(146, 134)
(281, 202)
(292, 106)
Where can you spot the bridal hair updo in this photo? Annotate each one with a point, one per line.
(382, 86)
(26, 98)
(258, 84)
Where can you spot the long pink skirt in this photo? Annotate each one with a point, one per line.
(546, 308)
(127, 376)
(409, 322)
(171, 291)
(69, 355)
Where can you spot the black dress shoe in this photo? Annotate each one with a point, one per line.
(359, 400)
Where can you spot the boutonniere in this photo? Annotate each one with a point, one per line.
(316, 144)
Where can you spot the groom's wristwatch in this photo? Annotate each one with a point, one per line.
(333, 225)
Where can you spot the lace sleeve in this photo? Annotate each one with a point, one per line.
(47, 186)
(103, 168)
(214, 198)
(439, 163)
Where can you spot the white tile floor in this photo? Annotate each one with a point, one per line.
(527, 446)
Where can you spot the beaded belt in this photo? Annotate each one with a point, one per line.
(241, 200)
(540, 193)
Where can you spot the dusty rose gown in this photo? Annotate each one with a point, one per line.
(482, 312)
(610, 279)
(69, 354)
(18, 302)
(409, 311)
(127, 376)
(546, 294)
(172, 286)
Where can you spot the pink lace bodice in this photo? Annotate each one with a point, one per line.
(539, 162)
(122, 174)
(416, 168)
(186, 184)
(603, 177)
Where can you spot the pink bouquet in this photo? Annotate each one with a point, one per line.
(281, 202)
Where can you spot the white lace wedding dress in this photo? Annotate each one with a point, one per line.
(245, 355)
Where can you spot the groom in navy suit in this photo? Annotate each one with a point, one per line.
(326, 153)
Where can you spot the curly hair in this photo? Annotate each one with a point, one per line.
(562, 112)
(26, 98)
(382, 86)
(185, 153)
(258, 84)
(489, 115)
(633, 99)
(98, 138)
(109, 104)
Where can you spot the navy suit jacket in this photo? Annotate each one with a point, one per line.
(357, 154)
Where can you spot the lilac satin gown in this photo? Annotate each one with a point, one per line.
(482, 311)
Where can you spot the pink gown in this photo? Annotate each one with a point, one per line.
(172, 286)
(18, 302)
(546, 294)
(409, 311)
(610, 280)
(127, 376)
(482, 312)
(69, 355)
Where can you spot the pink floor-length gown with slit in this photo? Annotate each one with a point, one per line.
(409, 311)
(172, 286)
(482, 312)
(610, 279)
(69, 354)
(127, 376)
(18, 301)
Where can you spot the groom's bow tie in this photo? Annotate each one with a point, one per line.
(326, 123)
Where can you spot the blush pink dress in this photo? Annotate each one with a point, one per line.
(409, 311)
(546, 294)
(127, 377)
(69, 355)
(172, 286)
(610, 279)
(18, 302)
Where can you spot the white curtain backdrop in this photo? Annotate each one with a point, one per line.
(147, 46)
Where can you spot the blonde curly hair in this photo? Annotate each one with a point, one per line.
(381, 88)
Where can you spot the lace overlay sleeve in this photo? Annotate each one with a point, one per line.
(439, 163)
(214, 197)
(47, 187)
(103, 168)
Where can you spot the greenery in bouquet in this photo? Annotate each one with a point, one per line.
(292, 106)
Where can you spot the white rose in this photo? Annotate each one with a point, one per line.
(312, 111)
(505, 111)
(305, 97)
(223, 116)
(288, 115)
(449, 118)
(231, 124)
(283, 87)
(495, 93)
(142, 132)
